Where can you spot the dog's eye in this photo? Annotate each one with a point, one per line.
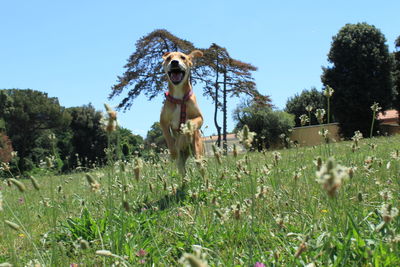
(182, 57)
(169, 58)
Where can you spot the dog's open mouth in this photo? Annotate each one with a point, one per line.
(176, 75)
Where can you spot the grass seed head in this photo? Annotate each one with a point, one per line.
(320, 114)
(246, 137)
(388, 212)
(35, 183)
(12, 225)
(84, 244)
(138, 165)
(104, 252)
(304, 119)
(375, 107)
(328, 92)
(20, 186)
(234, 151)
(331, 176)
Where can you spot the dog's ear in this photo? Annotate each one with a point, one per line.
(166, 55)
(195, 53)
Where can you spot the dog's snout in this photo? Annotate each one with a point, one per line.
(174, 63)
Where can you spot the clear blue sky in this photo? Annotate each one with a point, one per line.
(74, 50)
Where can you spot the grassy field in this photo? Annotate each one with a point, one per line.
(331, 205)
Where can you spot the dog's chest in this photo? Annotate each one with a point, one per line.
(176, 117)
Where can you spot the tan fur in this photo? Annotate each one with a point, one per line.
(180, 145)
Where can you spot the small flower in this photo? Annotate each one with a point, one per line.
(375, 107)
(187, 128)
(388, 212)
(246, 137)
(324, 133)
(309, 108)
(328, 92)
(277, 157)
(304, 119)
(331, 176)
(111, 124)
(320, 113)
(259, 264)
(386, 194)
(395, 155)
(141, 253)
(94, 185)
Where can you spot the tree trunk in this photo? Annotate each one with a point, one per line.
(224, 123)
(216, 106)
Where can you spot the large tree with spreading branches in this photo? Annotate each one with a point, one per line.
(144, 73)
(230, 77)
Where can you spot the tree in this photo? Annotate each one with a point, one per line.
(155, 136)
(144, 72)
(360, 75)
(396, 75)
(267, 123)
(128, 141)
(297, 104)
(28, 114)
(236, 80)
(89, 138)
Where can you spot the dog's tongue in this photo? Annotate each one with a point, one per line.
(176, 76)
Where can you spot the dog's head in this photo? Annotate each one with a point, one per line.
(177, 65)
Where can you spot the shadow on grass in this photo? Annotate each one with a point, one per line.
(166, 201)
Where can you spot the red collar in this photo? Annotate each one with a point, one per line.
(181, 102)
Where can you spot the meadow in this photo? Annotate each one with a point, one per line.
(331, 205)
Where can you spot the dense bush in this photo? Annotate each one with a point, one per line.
(297, 104)
(267, 123)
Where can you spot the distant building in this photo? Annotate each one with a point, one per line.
(389, 122)
(230, 139)
(389, 117)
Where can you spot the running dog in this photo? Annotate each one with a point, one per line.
(181, 118)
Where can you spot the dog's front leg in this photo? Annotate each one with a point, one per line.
(197, 141)
(169, 139)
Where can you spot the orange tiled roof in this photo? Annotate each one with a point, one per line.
(389, 114)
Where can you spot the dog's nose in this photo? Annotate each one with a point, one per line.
(174, 63)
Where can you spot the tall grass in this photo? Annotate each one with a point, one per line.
(272, 208)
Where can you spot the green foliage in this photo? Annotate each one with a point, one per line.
(28, 114)
(155, 136)
(267, 123)
(84, 227)
(297, 104)
(396, 74)
(259, 207)
(89, 139)
(129, 143)
(360, 74)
